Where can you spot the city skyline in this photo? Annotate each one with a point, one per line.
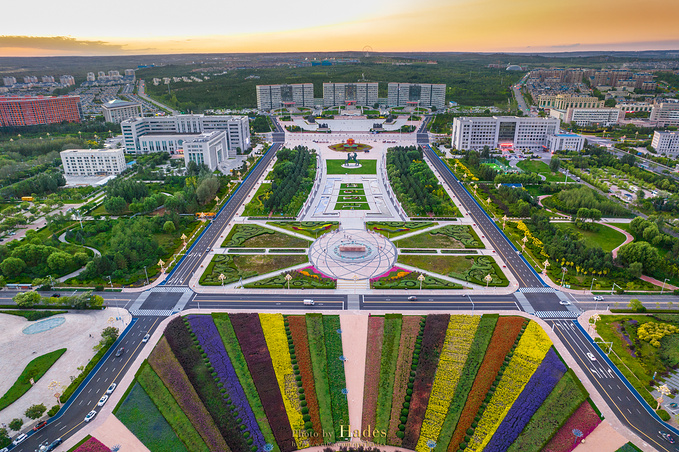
(431, 25)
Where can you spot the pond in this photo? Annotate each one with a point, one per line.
(44, 325)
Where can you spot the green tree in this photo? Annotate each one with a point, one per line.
(35, 411)
(3, 282)
(636, 305)
(4, 438)
(60, 262)
(115, 205)
(610, 103)
(27, 299)
(554, 165)
(16, 424)
(635, 269)
(169, 227)
(641, 252)
(109, 334)
(12, 266)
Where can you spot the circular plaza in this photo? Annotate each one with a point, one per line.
(353, 254)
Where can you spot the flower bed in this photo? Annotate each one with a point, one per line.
(240, 366)
(533, 395)
(552, 414)
(206, 332)
(297, 324)
(92, 445)
(410, 327)
(141, 417)
(305, 278)
(277, 342)
(171, 411)
(251, 338)
(372, 373)
(504, 335)
(336, 377)
(477, 351)
(319, 363)
(531, 350)
(387, 367)
(171, 373)
(405, 279)
(426, 361)
(459, 337)
(584, 419)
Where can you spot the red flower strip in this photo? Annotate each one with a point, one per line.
(372, 372)
(584, 419)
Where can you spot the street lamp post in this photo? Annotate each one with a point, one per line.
(488, 279)
(591, 285)
(147, 276)
(221, 277)
(420, 279)
(470, 300)
(613, 288)
(288, 277)
(563, 274)
(110, 282)
(663, 285)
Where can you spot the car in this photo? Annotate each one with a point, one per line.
(591, 357)
(670, 438)
(20, 439)
(56, 295)
(54, 445)
(39, 425)
(4, 449)
(111, 388)
(564, 302)
(598, 298)
(102, 401)
(146, 338)
(90, 415)
(412, 298)
(120, 351)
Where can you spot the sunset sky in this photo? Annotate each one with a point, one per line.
(81, 27)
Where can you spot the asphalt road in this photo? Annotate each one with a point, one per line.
(268, 301)
(439, 302)
(609, 385)
(112, 370)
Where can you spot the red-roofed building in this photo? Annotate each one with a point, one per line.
(32, 110)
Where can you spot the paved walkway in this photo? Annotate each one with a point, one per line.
(62, 238)
(629, 238)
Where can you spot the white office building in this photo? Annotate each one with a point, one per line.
(505, 132)
(340, 94)
(665, 114)
(206, 148)
(9, 81)
(177, 129)
(583, 117)
(93, 162)
(416, 94)
(565, 142)
(272, 97)
(117, 110)
(666, 142)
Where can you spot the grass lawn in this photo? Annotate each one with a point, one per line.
(453, 236)
(352, 206)
(468, 268)
(256, 206)
(367, 167)
(235, 266)
(395, 228)
(352, 198)
(623, 226)
(312, 229)
(35, 370)
(33, 315)
(605, 237)
(255, 236)
(537, 166)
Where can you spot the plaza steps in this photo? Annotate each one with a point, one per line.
(348, 284)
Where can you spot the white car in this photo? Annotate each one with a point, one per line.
(102, 401)
(599, 298)
(146, 338)
(565, 302)
(591, 357)
(90, 415)
(111, 388)
(20, 439)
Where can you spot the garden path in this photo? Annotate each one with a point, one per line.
(604, 437)
(628, 239)
(62, 238)
(354, 334)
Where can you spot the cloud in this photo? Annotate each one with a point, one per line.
(59, 43)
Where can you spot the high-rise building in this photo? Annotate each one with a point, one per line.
(47, 79)
(666, 142)
(117, 110)
(91, 77)
(28, 111)
(504, 132)
(129, 73)
(416, 94)
(176, 129)
(665, 114)
(206, 148)
(339, 94)
(565, 101)
(272, 97)
(93, 162)
(30, 79)
(9, 81)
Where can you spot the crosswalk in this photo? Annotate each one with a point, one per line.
(557, 314)
(537, 290)
(174, 289)
(152, 312)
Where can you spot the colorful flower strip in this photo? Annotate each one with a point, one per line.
(552, 414)
(297, 324)
(400, 273)
(584, 419)
(432, 342)
(311, 271)
(188, 353)
(253, 344)
(504, 335)
(385, 394)
(477, 351)
(92, 445)
(372, 373)
(235, 353)
(410, 327)
(170, 409)
(336, 378)
(533, 346)
(458, 341)
(319, 363)
(171, 373)
(533, 395)
(206, 332)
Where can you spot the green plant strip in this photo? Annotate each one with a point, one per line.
(319, 363)
(35, 370)
(336, 377)
(390, 348)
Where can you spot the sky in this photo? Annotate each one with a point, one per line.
(86, 27)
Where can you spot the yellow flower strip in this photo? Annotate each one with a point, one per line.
(532, 348)
(459, 338)
(277, 342)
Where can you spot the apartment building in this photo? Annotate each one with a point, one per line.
(117, 110)
(272, 97)
(339, 94)
(32, 110)
(666, 142)
(93, 162)
(420, 94)
(505, 132)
